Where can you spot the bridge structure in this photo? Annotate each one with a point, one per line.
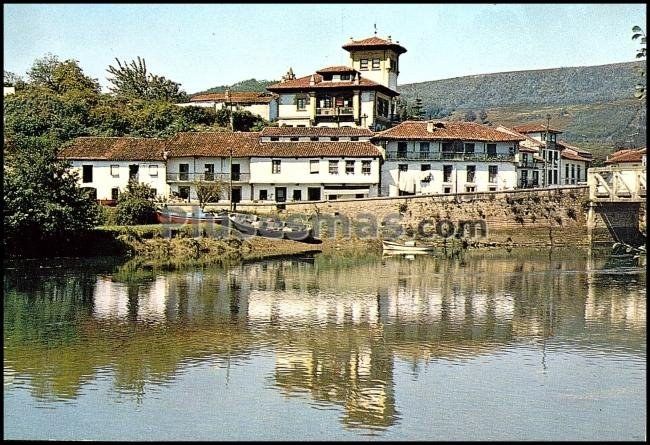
(616, 193)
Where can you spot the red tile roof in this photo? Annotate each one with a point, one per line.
(535, 128)
(246, 144)
(626, 155)
(303, 149)
(217, 144)
(570, 154)
(337, 69)
(315, 131)
(374, 43)
(114, 149)
(574, 151)
(469, 131)
(237, 97)
(303, 84)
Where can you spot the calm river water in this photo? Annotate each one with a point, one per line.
(521, 345)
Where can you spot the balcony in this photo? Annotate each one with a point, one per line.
(530, 163)
(189, 177)
(448, 156)
(337, 111)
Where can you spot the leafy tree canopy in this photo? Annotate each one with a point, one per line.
(131, 80)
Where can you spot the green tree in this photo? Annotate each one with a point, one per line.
(131, 80)
(61, 77)
(483, 117)
(208, 191)
(136, 205)
(42, 201)
(640, 54)
(417, 110)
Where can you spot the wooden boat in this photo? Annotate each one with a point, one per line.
(270, 228)
(406, 247)
(167, 217)
(243, 223)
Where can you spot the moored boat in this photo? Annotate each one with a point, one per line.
(168, 217)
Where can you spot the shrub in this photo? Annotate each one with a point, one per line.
(136, 205)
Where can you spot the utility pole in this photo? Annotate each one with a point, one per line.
(232, 129)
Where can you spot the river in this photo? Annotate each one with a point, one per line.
(489, 345)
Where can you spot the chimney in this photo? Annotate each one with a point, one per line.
(311, 80)
(357, 78)
(429, 126)
(389, 38)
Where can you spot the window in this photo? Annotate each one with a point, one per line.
(492, 188)
(183, 173)
(314, 166)
(313, 193)
(365, 167)
(354, 138)
(301, 103)
(294, 139)
(184, 192)
(493, 170)
(264, 195)
(446, 173)
(550, 177)
(274, 138)
(275, 166)
(554, 176)
(154, 193)
(153, 171)
(87, 173)
(491, 149)
(446, 190)
(578, 172)
(363, 64)
(447, 147)
(209, 172)
(314, 138)
(401, 149)
(297, 195)
(115, 193)
(471, 173)
(327, 76)
(332, 197)
(425, 167)
(566, 173)
(115, 171)
(375, 64)
(470, 188)
(334, 167)
(469, 147)
(349, 167)
(393, 65)
(424, 150)
(524, 158)
(133, 171)
(359, 195)
(334, 138)
(345, 77)
(573, 172)
(403, 167)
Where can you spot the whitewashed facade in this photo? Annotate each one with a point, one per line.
(314, 178)
(458, 157)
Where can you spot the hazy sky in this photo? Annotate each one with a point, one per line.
(204, 45)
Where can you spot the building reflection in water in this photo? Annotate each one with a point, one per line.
(335, 332)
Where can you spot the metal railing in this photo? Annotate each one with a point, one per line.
(448, 156)
(334, 111)
(183, 177)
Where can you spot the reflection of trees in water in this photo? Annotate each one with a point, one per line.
(336, 331)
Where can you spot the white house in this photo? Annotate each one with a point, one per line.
(277, 171)
(361, 94)
(261, 104)
(207, 157)
(550, 151)
(106, 164)
(315, 134)
(446, 157)
(575, 162)
(314, 171)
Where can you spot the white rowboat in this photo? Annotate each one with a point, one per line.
(407, 247)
